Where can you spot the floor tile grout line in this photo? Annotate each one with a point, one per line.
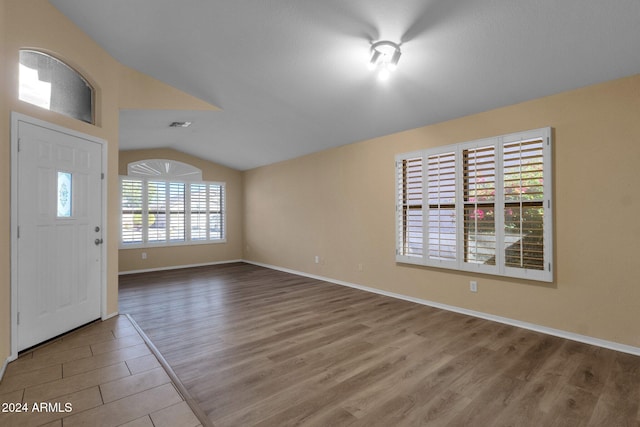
(198, 412)
(60, 338)
(138, 375)
(101, 395)
(32, 351)
(83, 388)
(104, 404)
(128, 367)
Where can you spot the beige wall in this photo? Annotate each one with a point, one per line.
(339, 205)
(131, 259)
(38, 25)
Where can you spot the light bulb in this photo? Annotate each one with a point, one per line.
(384, 58)
(384, 74)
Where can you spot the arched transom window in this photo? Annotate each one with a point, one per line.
(51, 84)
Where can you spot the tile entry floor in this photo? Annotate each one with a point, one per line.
(100, 375)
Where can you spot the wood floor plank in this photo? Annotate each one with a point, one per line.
(573, 407)
(619, 400)
(318, 405)
(259, 347)
(314, 380)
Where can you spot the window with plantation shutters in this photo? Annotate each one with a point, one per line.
(480, 206)
(158, 213)
(207, 211)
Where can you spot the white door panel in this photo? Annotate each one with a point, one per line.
(59, 220)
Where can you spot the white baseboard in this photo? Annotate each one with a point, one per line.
(177, 267)
(109, 316)
(520, 324)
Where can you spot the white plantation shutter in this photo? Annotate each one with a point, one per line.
(156, 222)
(216, 211)
(479, 195)
(524, 204)
(198, 213)
(409, 199)
(131, 199)
(177, 220)
(441, 200)
(481, 206)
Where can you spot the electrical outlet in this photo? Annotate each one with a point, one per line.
(473, 286)
(317, 259)
(144, 255)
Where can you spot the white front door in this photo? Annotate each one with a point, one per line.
(59, 213)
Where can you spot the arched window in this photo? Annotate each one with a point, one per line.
(164, 169)
(51, 84)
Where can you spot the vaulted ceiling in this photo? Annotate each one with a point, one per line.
(291, 77)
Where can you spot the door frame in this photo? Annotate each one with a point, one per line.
(16, 118)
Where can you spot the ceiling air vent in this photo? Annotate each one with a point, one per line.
(180, 124)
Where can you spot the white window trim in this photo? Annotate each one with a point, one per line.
(187, 242)
(545, 275)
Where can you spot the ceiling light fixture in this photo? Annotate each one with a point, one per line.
(180, 124)
(384, 58)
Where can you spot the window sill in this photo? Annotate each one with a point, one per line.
(491, 270)
(171, 244)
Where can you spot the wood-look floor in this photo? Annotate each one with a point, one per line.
(257, 347)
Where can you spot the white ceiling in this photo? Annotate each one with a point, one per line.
(291, 76)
